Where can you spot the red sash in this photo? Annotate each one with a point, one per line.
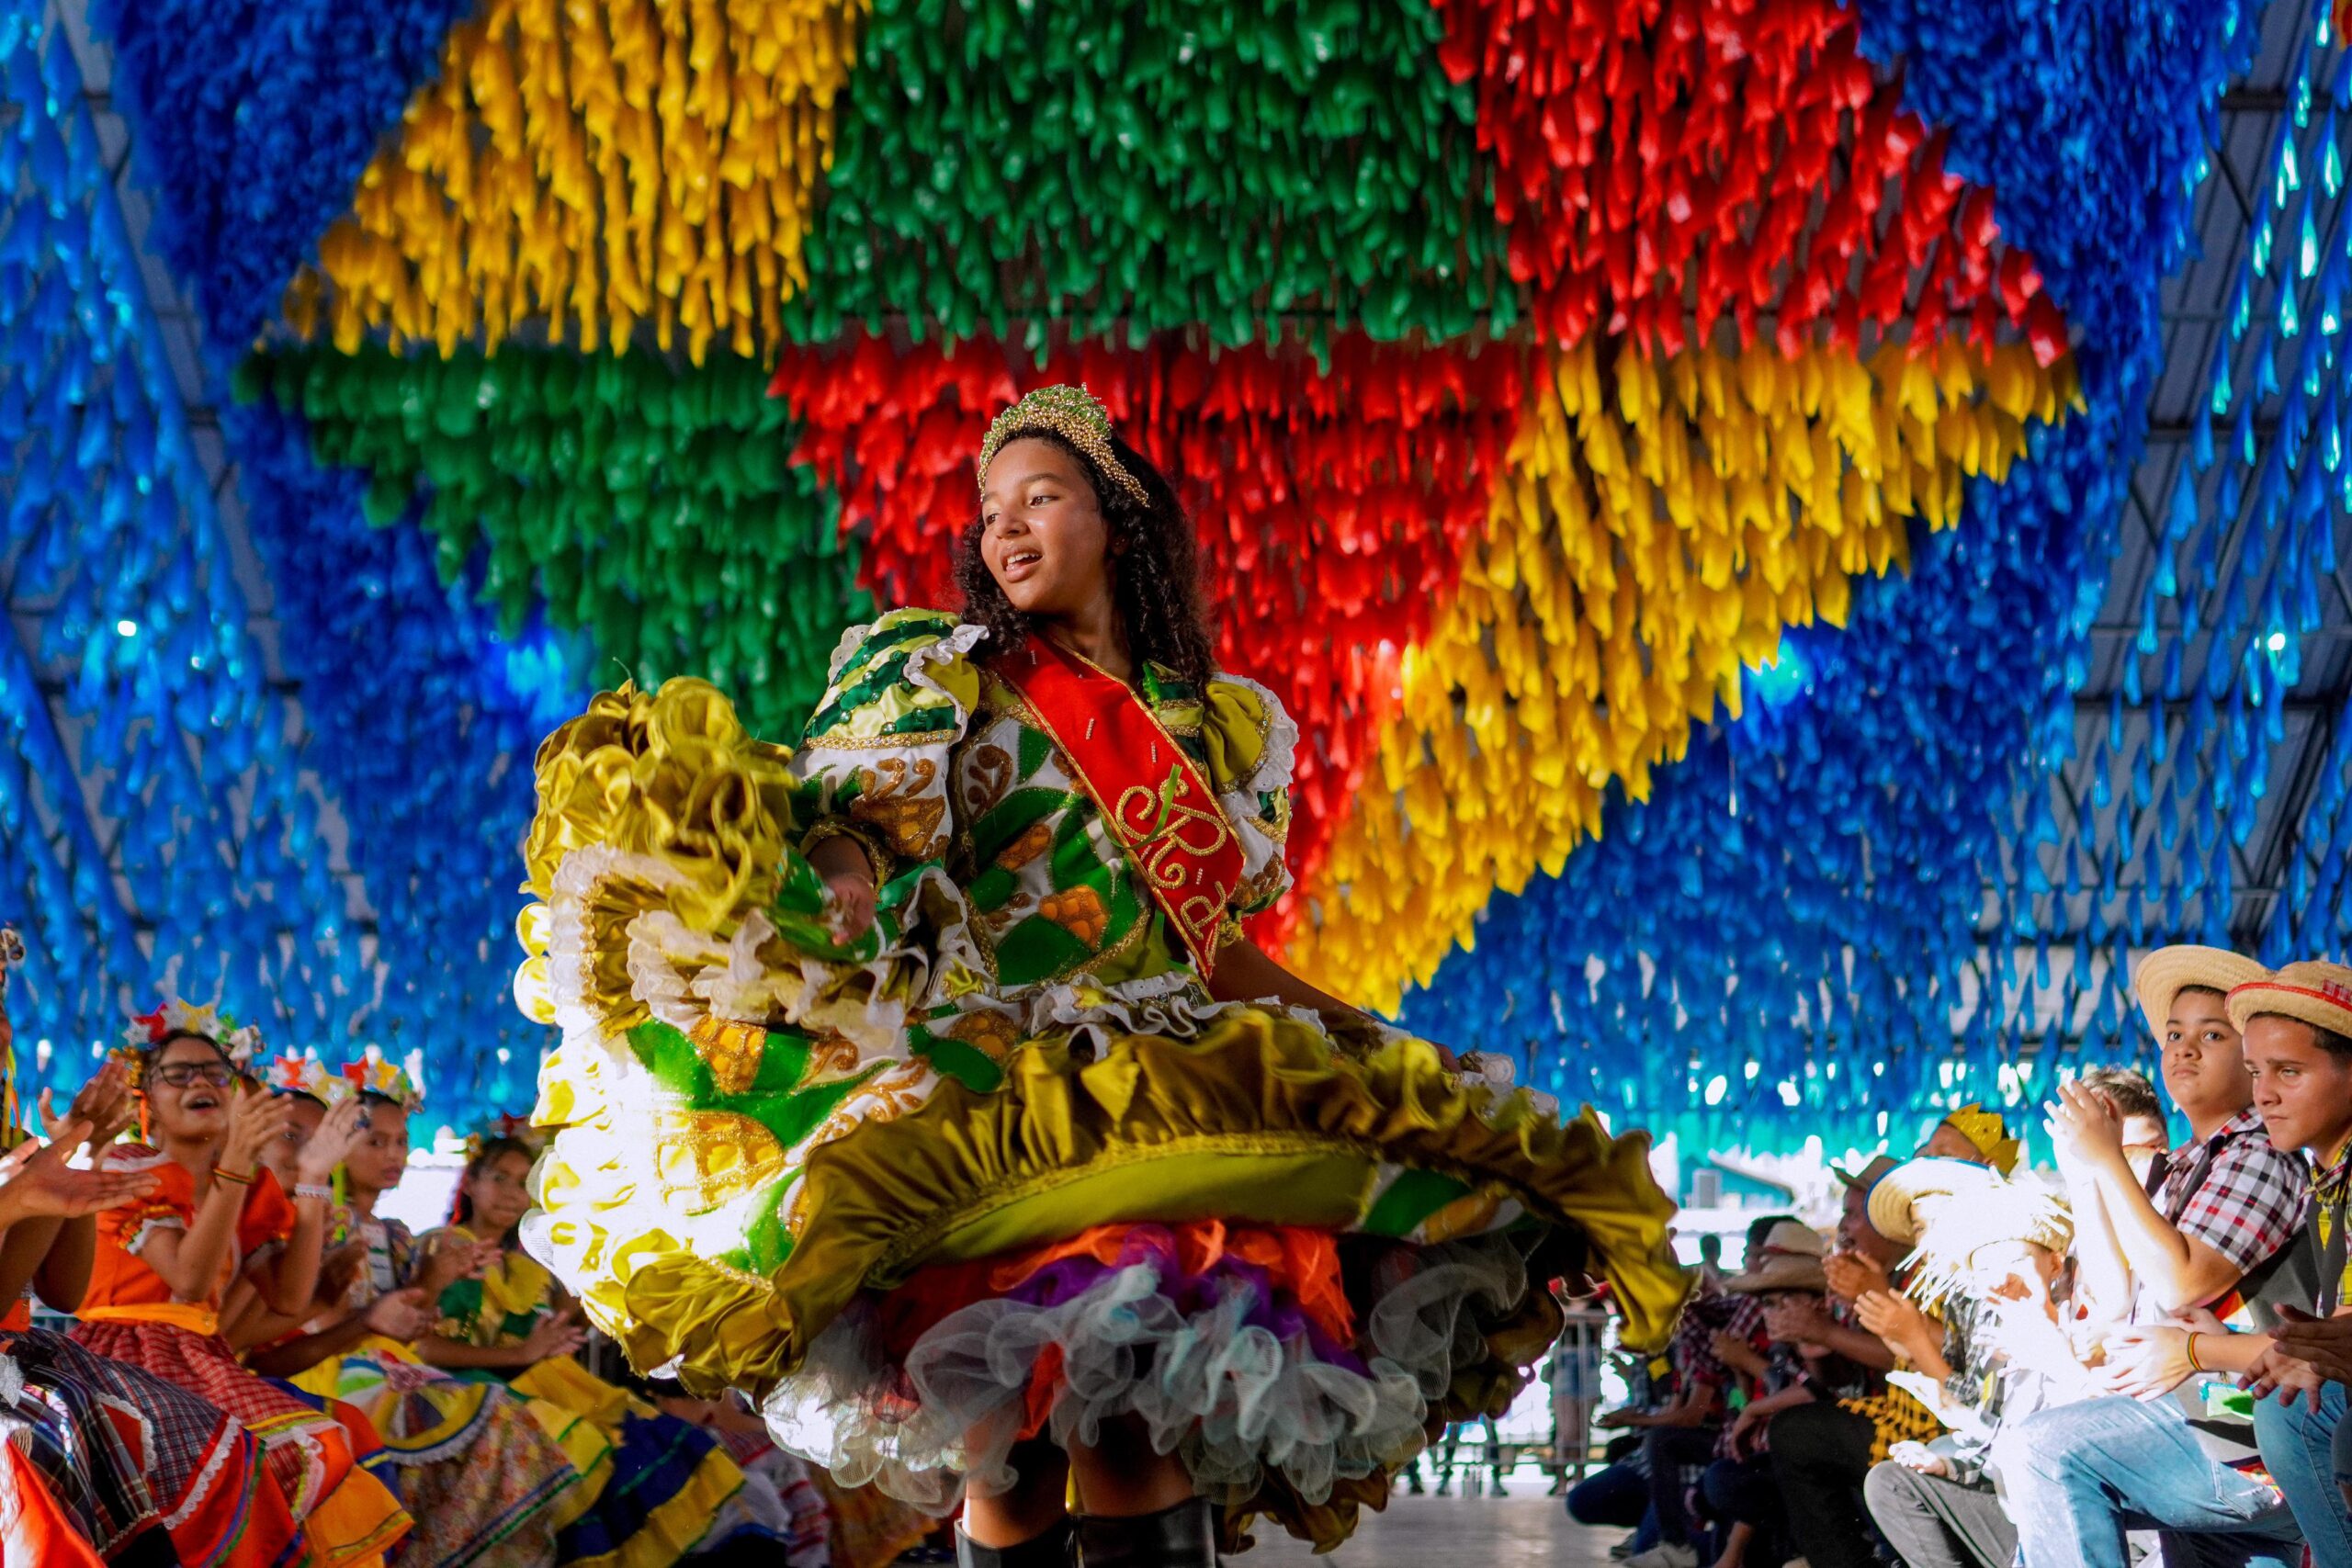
(1159, 806)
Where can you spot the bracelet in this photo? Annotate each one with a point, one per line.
(232, 1178)
(319, 1190)
(2194, 1364)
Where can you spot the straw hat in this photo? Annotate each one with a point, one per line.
(1950, 1210)
(2316, 994)
(2168, 971)
(1868, 1177)
(1789, 1259)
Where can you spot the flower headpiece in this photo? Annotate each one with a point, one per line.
(402, 1084)
(1074, 414)
(517, 1129)
(1988, 1134)
(306, 1074)
(241, 1042)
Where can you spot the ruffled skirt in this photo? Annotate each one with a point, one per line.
(1238, 1349)
(484, 1483)
(665, 1481)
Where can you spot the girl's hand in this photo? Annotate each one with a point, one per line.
(339, 1133)
(254, 1119)
(2148, 1361)
(105, 1103)
(558, 1334)
(445, 1266)
(404, 1316)
(35, 1182)
(852, 893)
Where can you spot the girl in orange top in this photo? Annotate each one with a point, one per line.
(164, 1260)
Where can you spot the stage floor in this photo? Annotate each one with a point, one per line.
(1525, 1529)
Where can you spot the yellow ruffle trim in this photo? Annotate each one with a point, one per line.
(1257, 1120)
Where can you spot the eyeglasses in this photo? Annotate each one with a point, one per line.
(179, 1074)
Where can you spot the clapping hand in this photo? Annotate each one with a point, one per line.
(255, 1119)
(558, 1334)
(1853, 1276)
(105, 1102)
(2085, 1127)
(404, 1315)
(2323, 1344)
(445, 1266)
(1792, 1323)
(37, 1182)
(339, 1133)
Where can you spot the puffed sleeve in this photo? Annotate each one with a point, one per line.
(873, 763)
(1253, 744)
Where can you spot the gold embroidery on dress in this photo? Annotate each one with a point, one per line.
(708, 1158)
(1035, 840)
(991, 1033)
(732, 1051)
(1079, 911)
(988, 777)
(830, 1056)
(896, 798)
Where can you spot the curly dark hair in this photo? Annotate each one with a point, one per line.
(1154, 561)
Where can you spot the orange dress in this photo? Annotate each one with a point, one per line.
(348, 1516)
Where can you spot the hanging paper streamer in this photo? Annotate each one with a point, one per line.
(1647, 543)
(211, 846)
(421, 718)
(251, 119)
(655, 510)
(1661, 165)
(1783, 940)
(592, 167)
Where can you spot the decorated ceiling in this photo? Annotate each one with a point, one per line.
(1674, 458)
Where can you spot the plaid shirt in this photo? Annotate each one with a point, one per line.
(2247, 1203)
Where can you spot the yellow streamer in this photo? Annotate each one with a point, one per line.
(596, 164)
(1652, 536)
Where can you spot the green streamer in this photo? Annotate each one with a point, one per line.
(656, 508)
(1010, 160)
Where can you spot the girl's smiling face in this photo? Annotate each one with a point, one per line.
(1042, 533)
(188, 1089)
(499, 1195)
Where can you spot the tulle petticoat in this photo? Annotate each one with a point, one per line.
(1225, 1366)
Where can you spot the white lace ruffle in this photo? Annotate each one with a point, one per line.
(1225, 1395)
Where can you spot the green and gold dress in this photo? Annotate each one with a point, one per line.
(1004, 1166)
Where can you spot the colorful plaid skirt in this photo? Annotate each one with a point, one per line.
(313, 1459)
(147, 1470)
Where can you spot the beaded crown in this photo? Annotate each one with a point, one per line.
(1074, 414)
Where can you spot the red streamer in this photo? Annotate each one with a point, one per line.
(1658, 164)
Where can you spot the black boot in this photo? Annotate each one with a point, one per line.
(1051, 1550)
(1180, 1537)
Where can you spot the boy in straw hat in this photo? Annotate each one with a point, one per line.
(2222, 1212)
(2298, 1029)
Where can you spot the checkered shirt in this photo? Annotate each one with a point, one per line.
(2248, 1203)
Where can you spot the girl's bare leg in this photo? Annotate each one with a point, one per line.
(1033, 1505)
(1121, 1477)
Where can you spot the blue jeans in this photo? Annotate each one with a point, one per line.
(2080, 1475)
(2299, 1449)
